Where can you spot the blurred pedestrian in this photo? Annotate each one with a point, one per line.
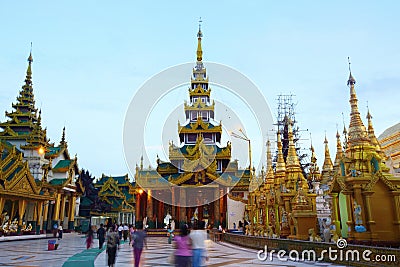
(89, 238)
(183, 245)
(198, 237)
(101, 235)
(120, 230)
(139, 241)
(131, 232)
(125, 231)
(112, 245)
(60, 231)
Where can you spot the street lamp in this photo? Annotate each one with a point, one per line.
(244, 137)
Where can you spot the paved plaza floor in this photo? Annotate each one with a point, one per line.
(30, 253)
(220, 254)
(34, 252)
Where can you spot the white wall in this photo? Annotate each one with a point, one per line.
(235, 212)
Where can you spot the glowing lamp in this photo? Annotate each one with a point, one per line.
(41, 151)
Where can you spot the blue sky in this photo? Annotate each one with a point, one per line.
(91, 56)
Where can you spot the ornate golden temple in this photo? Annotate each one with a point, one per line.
(195, 182)
(37, 187)
(363, 198)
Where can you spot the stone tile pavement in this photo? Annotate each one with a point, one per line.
(220, 254)
(34, 252)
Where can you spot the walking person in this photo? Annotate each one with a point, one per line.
(112, 245)
(126, 231)
(170, 234)
(101, 235)
(60, 231)
(198, 236)
(183, 245)
(120, 230)
(139, 240)
(131, 233)
(89, 238)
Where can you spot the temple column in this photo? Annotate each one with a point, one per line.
(138, 217)
(396, 210)
(160, 214)
(173, 209)
(369, 218)
(71, 215)
(2, 202)
(335, 213)
(56, 211)
(21, 212)
(182, 209)
(149, 212)
(12, 215)
(216, 208)
(45, 214)
(62, 208)
(39, 217)
(349, 203)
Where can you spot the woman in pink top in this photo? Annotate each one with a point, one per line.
(183, 252)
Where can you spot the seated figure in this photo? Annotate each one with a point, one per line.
(14, 226)
(23, 227)
(6, 227)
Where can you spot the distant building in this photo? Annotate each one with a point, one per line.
(390, 144)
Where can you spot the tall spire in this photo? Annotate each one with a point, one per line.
(314, 174)
(371, 131)
(327, 167)
(269, 155)
(292, 158)
(270, 172)
(199, 36)
(280, 169)
(63, 142)
(293, 168)
(339, 150)
(327, 161)
(23, 118)
(357, 132)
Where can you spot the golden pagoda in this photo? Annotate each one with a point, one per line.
(37, 178)
(365, 196)
(194, 183)
(283, 206)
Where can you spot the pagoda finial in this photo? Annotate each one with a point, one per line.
(292, 158)
(357, 132)
(327, 161)
(313, 156)
(199, 36)
(280, 165)
(339, 149)
(371, 131)
(28, 79)
(30, 58)
(351, 81)
(63, 137)
(39, 120)
(269, 156)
